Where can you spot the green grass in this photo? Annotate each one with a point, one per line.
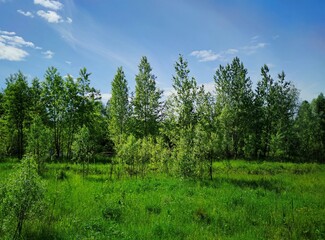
(245, 200)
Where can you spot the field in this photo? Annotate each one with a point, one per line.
(245, 200)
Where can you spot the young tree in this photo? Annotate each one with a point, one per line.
(38, 142)
(53, 96)
(234, 105)
(184, 99)
(23, 194)
(82, 147)
(318, 108)
(276, 104)
(146, 102)
(119, 109)
(16, 102)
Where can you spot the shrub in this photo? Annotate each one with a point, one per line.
(20, 198)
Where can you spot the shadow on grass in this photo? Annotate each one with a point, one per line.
(264, 183)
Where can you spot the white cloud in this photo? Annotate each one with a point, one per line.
(209, 87)
(26, 14)
(250, 49)
(106, 97)
(209, 55)
(69, 20)
(254, 38)
(68, 62)
(15, 41)
(48, 54)
(231, 51)
(270, 65)
(205, 55)
(7, 33)
(12, 53)
(50, 16)
(51, 4)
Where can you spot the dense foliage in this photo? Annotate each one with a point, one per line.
(182, 134)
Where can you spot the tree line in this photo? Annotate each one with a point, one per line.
(63, 118)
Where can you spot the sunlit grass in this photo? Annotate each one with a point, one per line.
(245, 200)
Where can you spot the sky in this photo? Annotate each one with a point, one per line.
(102, 35)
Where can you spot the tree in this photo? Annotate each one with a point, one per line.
(16, 102)
(146, 102)
(38, 142)
(82, 147)
(318, 108)
(119, 109)
(53, 96)
(23, 194)
(276, 105)
(234, 106)
(184, 99)
(205, 139)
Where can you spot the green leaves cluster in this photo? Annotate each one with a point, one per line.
(20, 199)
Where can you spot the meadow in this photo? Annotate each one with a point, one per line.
(245, 200)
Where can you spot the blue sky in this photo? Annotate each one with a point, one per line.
(102, 35)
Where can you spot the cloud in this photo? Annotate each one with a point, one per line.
(205, 55)
(7, 33)
(68, 62)
(51, 4)
(106, 97)
(12, 53)
(26, 14)
(250, 49)
(48, 54)
(209, 55)
(50, 16)
(8, 38)
(254, 38)
(69, 20)
(231, 51)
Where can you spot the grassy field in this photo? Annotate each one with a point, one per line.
(245, 200)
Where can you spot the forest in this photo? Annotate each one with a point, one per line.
(63, 119)
(58, 130)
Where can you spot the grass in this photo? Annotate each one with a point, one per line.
(245, 200)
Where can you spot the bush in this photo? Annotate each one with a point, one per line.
(20, 198)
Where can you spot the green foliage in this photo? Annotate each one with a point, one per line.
(184, 99)
(146, 102)
(21, 198)
(16, 106)
(234, 106)
(82, 146)
(38, 142)
(118, 108)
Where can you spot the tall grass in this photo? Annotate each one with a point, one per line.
(245, 200)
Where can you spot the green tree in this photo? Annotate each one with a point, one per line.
(53, 96)
(119, 109)
(318, 108)
(23, 194)
(234, 105)
(16, 102)
(276, 103)
(38, 142)
(184, 99)
(146, 102)
(205, 139)
(83, 147)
